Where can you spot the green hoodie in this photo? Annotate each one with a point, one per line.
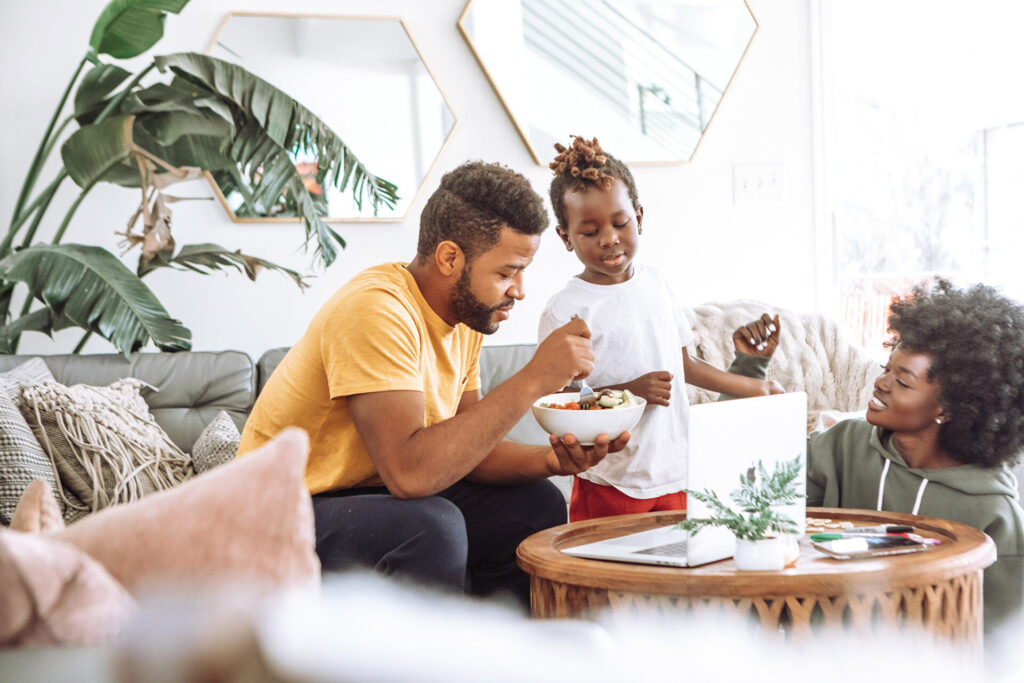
(848, 464)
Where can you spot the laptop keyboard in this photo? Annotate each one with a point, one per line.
(675, 548)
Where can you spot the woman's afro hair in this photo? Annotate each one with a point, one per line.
(977, 339)
(582, 165)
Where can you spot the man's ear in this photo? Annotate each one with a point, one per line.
(640, 220)
(449, 258)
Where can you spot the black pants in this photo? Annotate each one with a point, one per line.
(462, 539)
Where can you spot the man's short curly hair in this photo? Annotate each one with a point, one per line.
(977, 338)
(583, 165)
(472, 205)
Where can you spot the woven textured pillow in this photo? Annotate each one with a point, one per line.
(22, 460)
(217, 444)
(104, 442)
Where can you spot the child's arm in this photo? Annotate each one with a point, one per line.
(700, 374)
(654, 387)
(758, 338)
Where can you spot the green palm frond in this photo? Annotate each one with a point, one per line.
(127, 28)
(283, 120)
(208, 258)
(90, 287)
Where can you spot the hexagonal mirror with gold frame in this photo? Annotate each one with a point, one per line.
(366, 79)
(643, 76)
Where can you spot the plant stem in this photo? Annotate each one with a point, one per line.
(44, 147)
(71, 212)
(41, 202)
(57, 134)
(81, 342)
(30, 235)
(60, 233)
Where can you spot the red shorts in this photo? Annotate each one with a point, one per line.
(590, 500)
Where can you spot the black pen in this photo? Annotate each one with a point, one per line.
(877, 530)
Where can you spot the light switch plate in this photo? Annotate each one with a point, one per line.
(757, 183)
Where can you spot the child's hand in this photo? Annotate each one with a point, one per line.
(759, 337)
(770, 386)
(654, 387)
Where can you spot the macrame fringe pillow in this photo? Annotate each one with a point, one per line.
(103, 441)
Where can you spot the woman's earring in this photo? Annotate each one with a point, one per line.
(938, 420)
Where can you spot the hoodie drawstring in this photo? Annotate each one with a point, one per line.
(881, 483)
(920, 494)
(881, 489)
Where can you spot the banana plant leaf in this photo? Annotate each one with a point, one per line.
(281, 119)
(90, 287)
(44, 320)
(207, 258)
(94, 150)
(92, 92)
(127, 28)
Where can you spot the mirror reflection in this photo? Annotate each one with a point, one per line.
(365, 78)
(643, 76)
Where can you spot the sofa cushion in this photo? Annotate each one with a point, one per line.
(54, 594)
(217, 444)
(106, 446)
(497, 364)
(22, 459)
(267, 363)
(190, 387)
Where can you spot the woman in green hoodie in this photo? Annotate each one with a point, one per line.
(944, 424)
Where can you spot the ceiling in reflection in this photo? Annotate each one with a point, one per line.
(643, 76)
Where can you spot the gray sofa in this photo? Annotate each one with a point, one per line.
(192, 387)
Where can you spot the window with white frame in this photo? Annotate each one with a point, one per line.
(922, 149)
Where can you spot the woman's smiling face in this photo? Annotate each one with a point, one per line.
(905, 399)
(602, 228)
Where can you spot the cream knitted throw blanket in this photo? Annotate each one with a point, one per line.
(813, 356)
(103, 442)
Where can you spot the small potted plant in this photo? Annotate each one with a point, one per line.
(756, 519)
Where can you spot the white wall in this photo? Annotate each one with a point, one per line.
(712, 249)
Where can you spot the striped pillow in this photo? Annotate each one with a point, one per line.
(22, 459)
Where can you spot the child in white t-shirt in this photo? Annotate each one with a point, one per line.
(640, 336)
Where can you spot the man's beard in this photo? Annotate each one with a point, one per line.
(472, 312)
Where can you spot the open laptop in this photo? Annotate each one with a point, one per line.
(727, 438)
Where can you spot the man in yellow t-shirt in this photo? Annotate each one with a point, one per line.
(408, 466)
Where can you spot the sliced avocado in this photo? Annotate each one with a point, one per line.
(628, 397)
(609, 401)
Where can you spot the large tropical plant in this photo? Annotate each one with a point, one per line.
(180, 116)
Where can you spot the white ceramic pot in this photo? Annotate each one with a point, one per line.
(764, 554)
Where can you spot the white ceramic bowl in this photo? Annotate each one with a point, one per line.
(585, 424)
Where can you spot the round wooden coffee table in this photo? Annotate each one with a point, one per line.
(938, 590)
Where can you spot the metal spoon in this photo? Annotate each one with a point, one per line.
(587, 396)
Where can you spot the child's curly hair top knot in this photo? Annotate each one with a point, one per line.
(582, 165)
(583, 159)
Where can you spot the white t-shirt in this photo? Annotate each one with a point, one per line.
(637, 327)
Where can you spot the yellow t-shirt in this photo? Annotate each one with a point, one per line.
(376, 333)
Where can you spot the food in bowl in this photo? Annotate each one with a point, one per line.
(586, 425)
(606, 399)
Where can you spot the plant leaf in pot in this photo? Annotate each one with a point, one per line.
(755, 517)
